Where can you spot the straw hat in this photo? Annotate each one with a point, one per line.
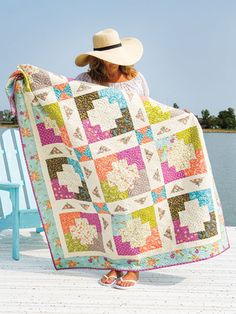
(108, 46)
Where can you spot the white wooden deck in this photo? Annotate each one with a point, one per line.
(32, 285)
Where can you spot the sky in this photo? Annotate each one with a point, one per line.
(189, 45)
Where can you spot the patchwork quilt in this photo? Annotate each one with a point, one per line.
(121, 181)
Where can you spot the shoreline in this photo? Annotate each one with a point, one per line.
(219, 131)
(204, 130)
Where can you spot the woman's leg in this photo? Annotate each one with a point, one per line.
(134, 275)
(112, 272)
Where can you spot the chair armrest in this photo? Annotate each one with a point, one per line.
(6, 186)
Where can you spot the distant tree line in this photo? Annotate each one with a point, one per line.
(226, 119)
(6, 117)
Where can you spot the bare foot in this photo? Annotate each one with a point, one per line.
(113, 272)
(134, 275)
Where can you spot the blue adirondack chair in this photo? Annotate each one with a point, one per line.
(18, 207)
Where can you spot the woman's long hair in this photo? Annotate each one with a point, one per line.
(98, 72)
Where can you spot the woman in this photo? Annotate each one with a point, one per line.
(111, 64)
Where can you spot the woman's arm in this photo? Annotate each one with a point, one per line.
(146, 91)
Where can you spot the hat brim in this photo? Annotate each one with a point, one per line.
(129, 53)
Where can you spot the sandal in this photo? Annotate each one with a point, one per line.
(125, 287)
(110, 283)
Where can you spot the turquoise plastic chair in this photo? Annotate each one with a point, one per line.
(18, 208)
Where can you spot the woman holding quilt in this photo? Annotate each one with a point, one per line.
(146, 171)
(111, 64)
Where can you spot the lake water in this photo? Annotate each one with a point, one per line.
(221, 149)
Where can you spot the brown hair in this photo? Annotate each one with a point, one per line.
(97, 70)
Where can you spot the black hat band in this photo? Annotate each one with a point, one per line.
(108, 47)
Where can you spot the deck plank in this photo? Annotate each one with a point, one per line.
(32, 285)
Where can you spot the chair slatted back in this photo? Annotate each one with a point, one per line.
(13, 168)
